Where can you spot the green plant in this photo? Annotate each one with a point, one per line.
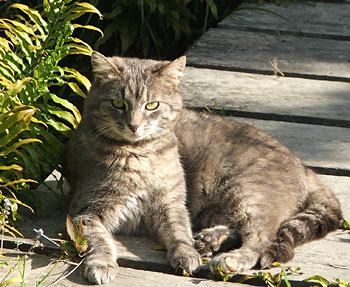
(345, 224)
(157, 27)
(36, 118)
(325, 283)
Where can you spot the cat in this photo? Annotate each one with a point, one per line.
(202, 185)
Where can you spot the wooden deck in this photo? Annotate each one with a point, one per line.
(231, 71)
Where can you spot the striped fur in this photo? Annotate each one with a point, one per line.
(168, 170)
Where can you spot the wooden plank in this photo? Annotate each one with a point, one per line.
(318, 146)
(324, 20)
(266, 94)
(327, 257)
(247, 51)
(37, 266)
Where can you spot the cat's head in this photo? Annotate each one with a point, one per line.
(132, 99)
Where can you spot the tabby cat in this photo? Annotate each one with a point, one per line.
(141, 163)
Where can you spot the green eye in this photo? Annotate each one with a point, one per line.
(152, 106)
(119, 104)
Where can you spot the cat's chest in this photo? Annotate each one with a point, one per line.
(146, 169)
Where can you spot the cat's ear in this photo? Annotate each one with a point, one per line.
(174, 70)
(105, 68)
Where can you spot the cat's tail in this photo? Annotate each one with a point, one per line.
(321, 215)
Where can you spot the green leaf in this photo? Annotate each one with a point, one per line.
(319, 279)
(345, 224)
(213, 8)
(18, 144)
(33, 15)
(11, 281)
(14, 118)
(20, 202)
(14, 182)
(77, 76)
(90, 8)
(341, 283)
(12, 166)
(17, 87)
(22, 123)
(51, 141)
(79, 49)
(67, 116)
(13, 229)
(89, 27)
(68, 106)
(75, 88)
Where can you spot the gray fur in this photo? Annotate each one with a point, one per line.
(163, 171)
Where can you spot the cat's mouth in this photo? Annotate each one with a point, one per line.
(132, 135)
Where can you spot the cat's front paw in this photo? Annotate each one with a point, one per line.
(100, 270)
(234, 261)
(186, 257)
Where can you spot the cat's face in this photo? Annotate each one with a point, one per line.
(134, 100)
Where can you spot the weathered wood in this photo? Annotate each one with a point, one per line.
(323, 20)
(266, 94)
(253, 52)
(317, 146)
(37, 266)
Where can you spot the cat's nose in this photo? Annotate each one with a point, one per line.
(133, 127)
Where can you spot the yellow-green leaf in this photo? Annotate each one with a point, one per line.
(321, 280)
(89, 27)
(19, 85)
(12, 166)
(11, 281)
(75, 88)
(79, 77)
(23, 180)
(67, 116)
(90, 8)
(79, 49)
(13, 229)
(67, 105)
(33, 15)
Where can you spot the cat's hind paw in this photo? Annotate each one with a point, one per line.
(100, 270)
(211, 240)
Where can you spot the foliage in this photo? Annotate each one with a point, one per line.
(34, 120)
(271, 280)
(156, 27)
(345, 224)
(77, 235)
(325, 283)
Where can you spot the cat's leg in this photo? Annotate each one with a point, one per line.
(217, 239)
(100, 265)
(245, 223)
(171, 224)
(244, 258)
(321, 215)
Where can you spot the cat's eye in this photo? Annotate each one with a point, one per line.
(152, 106)
(119, 104)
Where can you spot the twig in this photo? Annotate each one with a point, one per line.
(65, 276)
(275, 68)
